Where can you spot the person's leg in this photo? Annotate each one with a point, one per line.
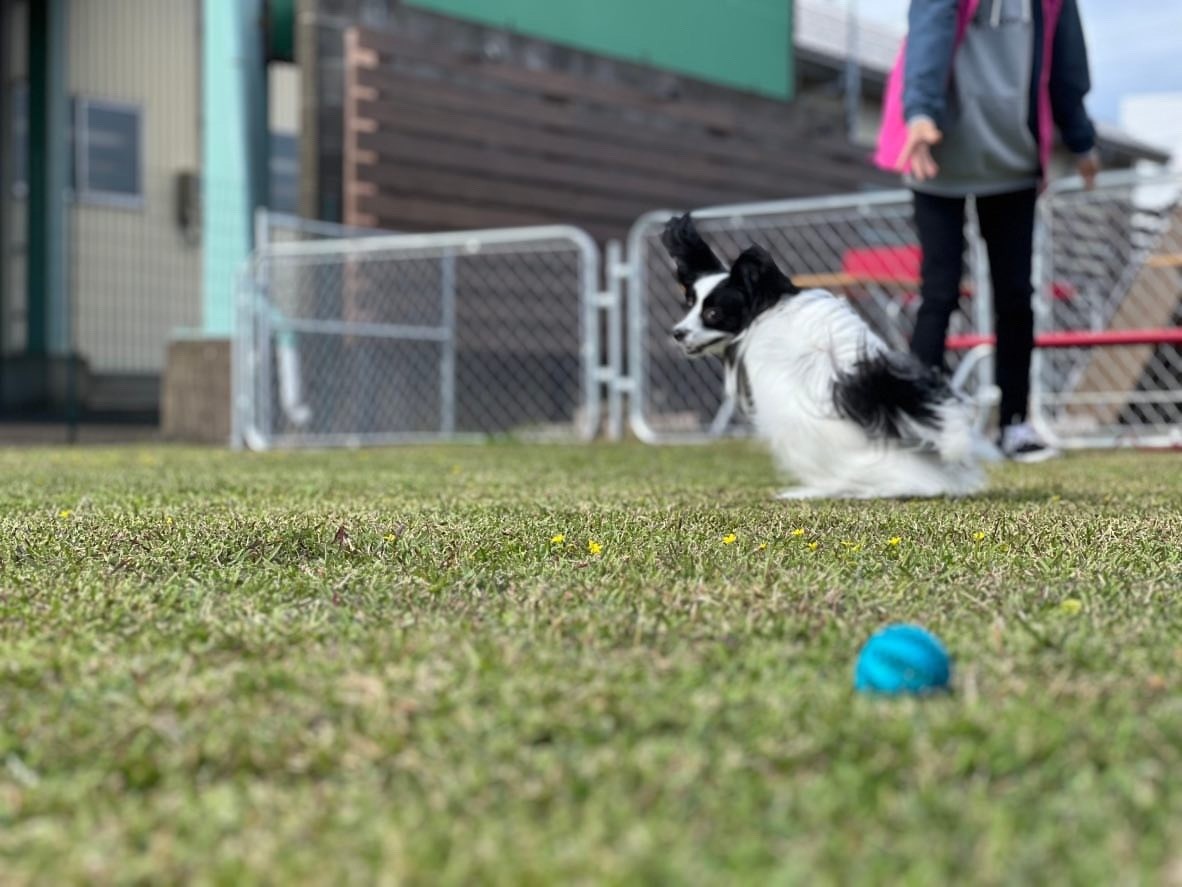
(940, 223)
(1007, 225)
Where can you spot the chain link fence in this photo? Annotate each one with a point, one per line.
(388, 339)
(1112, 266)
(861, 246)
(352, 337)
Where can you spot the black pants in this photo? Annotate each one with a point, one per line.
(1007, 226)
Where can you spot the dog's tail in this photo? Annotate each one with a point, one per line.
(893, 395)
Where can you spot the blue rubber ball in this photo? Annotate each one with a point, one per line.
(902, 659)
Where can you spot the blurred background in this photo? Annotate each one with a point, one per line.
(140, 139)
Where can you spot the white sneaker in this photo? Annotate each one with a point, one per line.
(1021, 443)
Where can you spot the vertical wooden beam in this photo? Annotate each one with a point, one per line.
(353, 186)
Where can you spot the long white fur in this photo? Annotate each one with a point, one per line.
(791, 355)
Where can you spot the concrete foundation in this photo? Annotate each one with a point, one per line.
(195, 396)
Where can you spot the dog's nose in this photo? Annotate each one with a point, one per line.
(679, 334)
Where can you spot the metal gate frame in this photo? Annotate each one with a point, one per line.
(614, 317)
(258, 323)
(973, 373)
(636, 269)
(1043, 394)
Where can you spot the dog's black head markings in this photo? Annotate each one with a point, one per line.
(691, 254)
(720, 304)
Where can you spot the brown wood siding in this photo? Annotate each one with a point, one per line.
(439, 138)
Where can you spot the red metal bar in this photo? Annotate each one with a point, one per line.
(1081, 339)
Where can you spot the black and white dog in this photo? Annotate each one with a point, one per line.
(842, 413)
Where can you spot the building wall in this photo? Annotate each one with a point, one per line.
(745, 44)
(135, 274)
(134, 270)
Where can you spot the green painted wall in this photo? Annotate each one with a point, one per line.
(740, 43)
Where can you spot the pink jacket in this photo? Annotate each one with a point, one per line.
(893, 134)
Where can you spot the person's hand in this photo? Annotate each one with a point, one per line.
(1088, 166)
(916, 158)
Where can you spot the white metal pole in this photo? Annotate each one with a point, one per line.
(853, 71)
(447, 363)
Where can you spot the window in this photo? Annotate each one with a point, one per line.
(106, 152)
(285, 172)
(105, 149)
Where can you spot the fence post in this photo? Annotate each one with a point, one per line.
(243, 350)
(615, 272)
(447, 363)
(242, 355)
(261, 308)
(522, 381)
(982, 300)
(1042, 305)
(262, 228)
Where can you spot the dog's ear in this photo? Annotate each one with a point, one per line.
(689, 251)
(755, 273)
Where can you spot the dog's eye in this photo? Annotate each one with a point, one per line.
(710, 315)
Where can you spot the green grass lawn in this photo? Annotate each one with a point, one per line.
(356, 666)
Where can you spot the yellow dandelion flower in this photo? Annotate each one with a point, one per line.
(813, 546)
(594, 547)
(557, 539)
(730, 539)
(894, 541)
(979, 536)
(390, 537)
(852, 546)
(65, 514)
(168, 519)
(798, 532)
(1070, 607)
(762, 546)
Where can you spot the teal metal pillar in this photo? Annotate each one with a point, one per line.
(234, 149)
(49, 139)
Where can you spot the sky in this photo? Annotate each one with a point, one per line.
(1134, 46)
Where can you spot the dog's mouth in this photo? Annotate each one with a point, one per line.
(697, 349)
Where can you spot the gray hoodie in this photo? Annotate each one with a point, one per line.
(987, 110)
